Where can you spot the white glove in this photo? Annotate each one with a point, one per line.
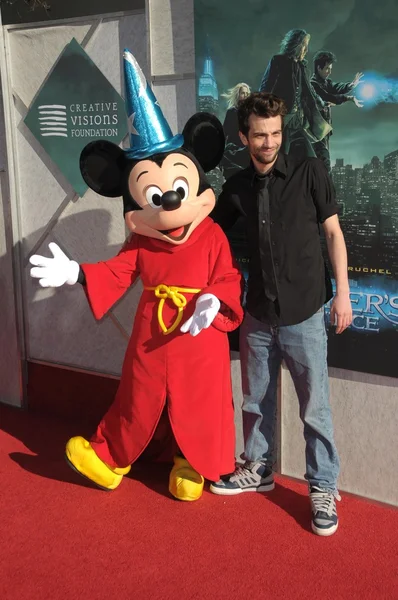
(206, 309)
(54, 272)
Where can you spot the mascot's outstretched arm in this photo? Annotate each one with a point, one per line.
(60, 270)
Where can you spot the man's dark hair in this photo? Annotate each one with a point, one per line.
(292, 42)
(260, 104)
(323, 58)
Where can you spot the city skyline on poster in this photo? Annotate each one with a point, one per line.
(232, 47)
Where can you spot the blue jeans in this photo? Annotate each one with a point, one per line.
(304, 349)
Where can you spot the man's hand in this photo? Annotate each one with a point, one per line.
(358, 103)
(341, 312)
(56, 271)
(356, 80)
(206, 309)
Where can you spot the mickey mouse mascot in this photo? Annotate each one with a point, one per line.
(178, 355)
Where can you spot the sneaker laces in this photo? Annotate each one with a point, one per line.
(323, 501)
(242, 471)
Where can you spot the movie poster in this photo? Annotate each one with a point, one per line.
(352, 87)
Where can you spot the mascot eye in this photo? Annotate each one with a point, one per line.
(181, 187)
(153, 196)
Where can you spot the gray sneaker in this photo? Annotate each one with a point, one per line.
(250, 477)
(324, 512)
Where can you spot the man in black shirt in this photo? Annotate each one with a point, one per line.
(331, 93)
(284, 202)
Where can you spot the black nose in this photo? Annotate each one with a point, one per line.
(171, 200)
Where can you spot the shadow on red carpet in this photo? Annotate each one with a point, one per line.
(47, 446)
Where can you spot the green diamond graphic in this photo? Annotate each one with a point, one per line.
(75, 106)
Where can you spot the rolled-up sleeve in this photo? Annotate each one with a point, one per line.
(323, 192)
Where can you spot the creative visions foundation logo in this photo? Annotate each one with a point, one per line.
(79, 120)
(75, 105)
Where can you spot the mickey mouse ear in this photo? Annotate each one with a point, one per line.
(204, 138)
(101, 165)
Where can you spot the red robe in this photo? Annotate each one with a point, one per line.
(191, 374)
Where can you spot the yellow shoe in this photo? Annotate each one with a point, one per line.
(185, 483)
(81, 456)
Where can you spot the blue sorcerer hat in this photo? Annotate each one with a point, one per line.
(149, 131)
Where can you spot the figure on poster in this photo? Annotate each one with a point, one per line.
(332, 94)
(286, 78)
(285, 202)
(236, 156)
(185, 264)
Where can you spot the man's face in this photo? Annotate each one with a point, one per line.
(326, 71)
(304, 48)
(264, 139)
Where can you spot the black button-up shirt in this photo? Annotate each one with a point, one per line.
(260, 185)
(288, 279)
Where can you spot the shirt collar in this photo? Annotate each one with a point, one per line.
(279, 169)
(280, 166)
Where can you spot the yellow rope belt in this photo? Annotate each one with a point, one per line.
(163, 291)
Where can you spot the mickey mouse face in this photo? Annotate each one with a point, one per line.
(165, 196)
(168, 197)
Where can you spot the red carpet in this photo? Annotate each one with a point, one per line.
(61, 539)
